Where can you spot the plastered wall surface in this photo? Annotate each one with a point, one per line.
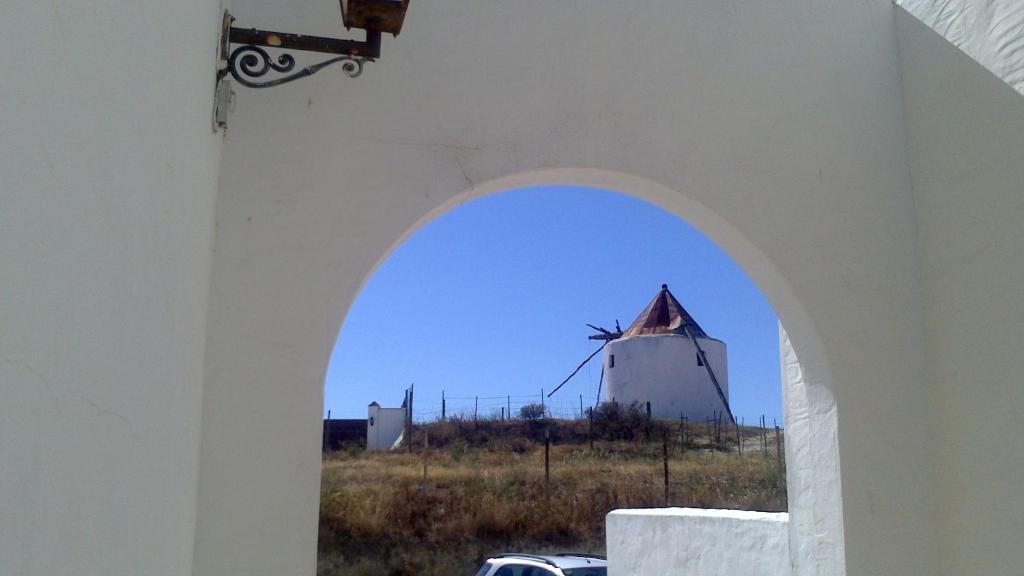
(966, 142)
(108, 178)
(696, 542)
(774, 127)
(663, 370)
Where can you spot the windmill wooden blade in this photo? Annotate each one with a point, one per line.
(605, 334)
(582, 364)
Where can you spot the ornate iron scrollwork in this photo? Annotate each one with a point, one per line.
(250, 62)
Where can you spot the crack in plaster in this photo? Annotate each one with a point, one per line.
(75, 393)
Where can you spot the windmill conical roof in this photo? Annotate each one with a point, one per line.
(664, 315)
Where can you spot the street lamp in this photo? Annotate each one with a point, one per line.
(250, 62)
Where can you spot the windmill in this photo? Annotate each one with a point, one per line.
(665, 317)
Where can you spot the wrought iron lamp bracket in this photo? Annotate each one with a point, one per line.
(249, 62)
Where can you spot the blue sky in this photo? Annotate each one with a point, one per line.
(492, 299)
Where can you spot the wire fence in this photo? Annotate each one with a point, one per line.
(496, 407)
(429, 409)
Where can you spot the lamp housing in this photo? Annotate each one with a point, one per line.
(378, 15)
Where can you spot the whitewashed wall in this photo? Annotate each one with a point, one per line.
(663, 370)
(776, 127)
(966, 143)
(108, 177)
(695, 542)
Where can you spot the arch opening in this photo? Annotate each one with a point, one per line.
(794, 379)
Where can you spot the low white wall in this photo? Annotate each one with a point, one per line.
(695, 542)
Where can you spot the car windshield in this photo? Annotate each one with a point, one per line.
(588, 571)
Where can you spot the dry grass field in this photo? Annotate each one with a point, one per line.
(485, 492)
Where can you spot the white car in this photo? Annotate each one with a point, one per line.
(569, 564)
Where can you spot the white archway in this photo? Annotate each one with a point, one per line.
(813, 482)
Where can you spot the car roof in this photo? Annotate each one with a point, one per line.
(567, 560)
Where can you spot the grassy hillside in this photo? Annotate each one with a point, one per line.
(485, 492)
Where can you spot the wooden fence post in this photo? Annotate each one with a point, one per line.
(547, 459)
(650, 424)
(778, 448)
(590, 428)
(764, 435)
(426, 446)
(664, 460)
(714, 426)
(743, 424)
(408, 420)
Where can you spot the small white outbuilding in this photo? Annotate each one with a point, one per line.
(384, 426)
(661, 359)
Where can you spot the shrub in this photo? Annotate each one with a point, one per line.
(532, 412)
(614, 421)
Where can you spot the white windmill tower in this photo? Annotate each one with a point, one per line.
(667, 359)
(664, 357)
